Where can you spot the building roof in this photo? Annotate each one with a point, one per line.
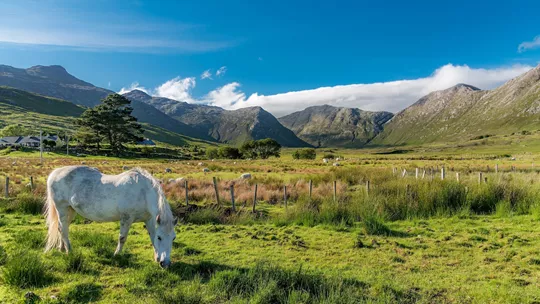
(12, 139)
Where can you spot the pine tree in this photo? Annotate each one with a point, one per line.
(111, 121)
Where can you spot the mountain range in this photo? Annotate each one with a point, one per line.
(458, 113)
(232, 127)
(329, 126)
(463, 112)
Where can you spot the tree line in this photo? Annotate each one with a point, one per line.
(252, 149)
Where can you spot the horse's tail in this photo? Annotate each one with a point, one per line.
(54, 237)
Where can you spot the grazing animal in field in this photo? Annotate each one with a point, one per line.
(205, 170)
(168, 170)
(325, 160)
(245, 176)
(132, 196)
(336, 164)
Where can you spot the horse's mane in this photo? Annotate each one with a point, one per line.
(165, 212)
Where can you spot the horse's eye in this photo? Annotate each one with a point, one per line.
(159, 238)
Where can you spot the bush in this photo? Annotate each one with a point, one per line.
(212, 153)
(304, 154)
(25, 269)
(229, 153)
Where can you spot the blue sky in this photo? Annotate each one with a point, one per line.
(277, 53)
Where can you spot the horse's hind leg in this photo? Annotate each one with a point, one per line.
(125, 224)
(65, 215)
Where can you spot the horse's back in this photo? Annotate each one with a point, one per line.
(98, 196)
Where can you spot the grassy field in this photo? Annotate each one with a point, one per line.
(406, 240)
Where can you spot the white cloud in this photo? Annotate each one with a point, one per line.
(221, 71)
(390, 96)
(177, 89)
(134, 86)
(206, 75)
(225, 96)
(528, 45)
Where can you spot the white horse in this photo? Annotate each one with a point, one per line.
(132, 196)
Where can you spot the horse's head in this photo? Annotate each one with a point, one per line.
(165, 236)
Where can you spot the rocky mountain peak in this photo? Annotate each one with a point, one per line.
(137, 94)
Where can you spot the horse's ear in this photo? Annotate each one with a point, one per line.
(175, 221)
(158, 220)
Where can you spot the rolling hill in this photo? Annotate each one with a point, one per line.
(55, 81)
(232, 127)
(463, 112)
(57, 116)
(329, 126)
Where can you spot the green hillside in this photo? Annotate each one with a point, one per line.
(57, 116)
(464, 112)
(38, 103)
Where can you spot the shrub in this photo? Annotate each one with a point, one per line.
(304, 154)
(212, 153)
(229, 153)
(25, 269)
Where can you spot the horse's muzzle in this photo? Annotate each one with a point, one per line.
(165, 264)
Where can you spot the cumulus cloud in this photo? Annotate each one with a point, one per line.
(226, 96)
(206, 74)
(177, 89)
(134, 86)
(527, 45)
(221, 71)
(390, 96)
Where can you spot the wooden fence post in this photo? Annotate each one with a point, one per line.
(310, 188)
(7, 186)
(285, 196)
(335, 191)
(404, 173)
(254, 198)
(479, 177)
(367, 187)
(443, 173)
(457, 176)
(232, 199)
(423, 173)
(496, 168)
(216, 190)
(416, 173)
(186, 187)
(31, 183)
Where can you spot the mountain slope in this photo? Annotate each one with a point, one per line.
(233, 127)
(39, 104)
(53, 115)
(462, 112)
(328, 126)
(55, 81)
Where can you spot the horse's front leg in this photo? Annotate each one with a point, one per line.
(125, 224)
(151, 228)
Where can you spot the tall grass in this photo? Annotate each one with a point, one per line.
(25, 269)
